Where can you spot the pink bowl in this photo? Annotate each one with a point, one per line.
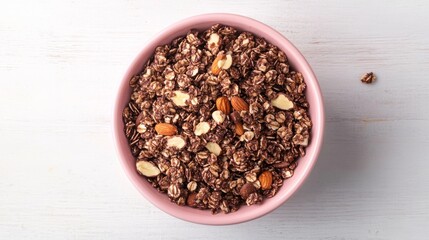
(305, 164)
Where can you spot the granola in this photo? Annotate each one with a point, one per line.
(368, 78)
(217, 119)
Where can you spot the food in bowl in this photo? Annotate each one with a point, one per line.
(217, 119)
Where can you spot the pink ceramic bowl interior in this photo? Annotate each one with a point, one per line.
(305, 164)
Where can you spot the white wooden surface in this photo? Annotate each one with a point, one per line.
(60, 63)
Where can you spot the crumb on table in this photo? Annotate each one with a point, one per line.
(368, 78)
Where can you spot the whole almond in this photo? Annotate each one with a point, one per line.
(266, 180)
(222, 103)
(239, 104)
(165, 129)
(246, 190)
(218, 63)
(239, 129)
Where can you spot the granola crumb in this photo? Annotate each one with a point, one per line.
(368, 78)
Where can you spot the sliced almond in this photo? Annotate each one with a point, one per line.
(228, 62)
(202, 128)
(176, 142)
(214, 148)
(214, 41)
(180, 98)
(282, 102)
(218, 116)
(147, 168)
(222, 61)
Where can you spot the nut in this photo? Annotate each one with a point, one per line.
(147, 168)
(192, 200)
(239, 104)
(180, 98)
(213, 148)
(202, 128)
(239, 129)
(218, 116)
(282, 102)
(266, 180)
(176, 142)
(246, 190)
(222, 61)
(228, 62)
(141, 128)
(165, 129)
(222, 103)
(214, 41)
(219, 60)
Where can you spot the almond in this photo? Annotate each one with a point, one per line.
(239, 104)
(282, 102)
(147, 169)
(180, 98)
(165, 129)
(214, 148)
(202, 128)
(218, 116)
(239, 129)
(176, 142)
(266, 180)
(222, 103)
(213, 42)
(218, 63)
(246, 190)
(228, 62)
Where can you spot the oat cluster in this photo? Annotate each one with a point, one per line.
(368, 78)
(217, 119)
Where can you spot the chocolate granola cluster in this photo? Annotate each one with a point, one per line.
(217, 119)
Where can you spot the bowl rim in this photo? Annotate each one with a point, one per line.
(252, 24)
